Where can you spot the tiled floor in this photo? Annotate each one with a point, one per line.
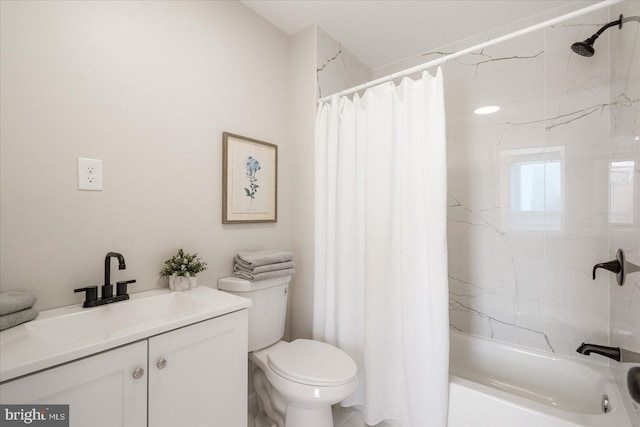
(342, 417)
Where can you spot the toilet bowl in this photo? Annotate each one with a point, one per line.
(306, 378)
(296, 382)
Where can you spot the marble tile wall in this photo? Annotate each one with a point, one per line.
(530, 187)
(624, 192)
(337, 68)
(537, 191)
(625, 184)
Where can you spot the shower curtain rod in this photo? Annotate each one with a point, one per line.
(442, 60)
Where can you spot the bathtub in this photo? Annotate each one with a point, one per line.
(497, 384)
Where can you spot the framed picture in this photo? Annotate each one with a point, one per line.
(249, 180)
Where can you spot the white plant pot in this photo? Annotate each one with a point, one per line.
(182, 283)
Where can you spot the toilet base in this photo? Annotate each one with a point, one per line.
(275, 411)
(261, 420)
(307, 417)
(271, 410)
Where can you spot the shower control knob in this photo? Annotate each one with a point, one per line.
(138, 373)
(162, 362)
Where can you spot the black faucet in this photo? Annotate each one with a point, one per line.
(91, 299)
(613, 266)
(616, 266)
(616, 353)
(610, 352)
(107, 288)
(619, 266)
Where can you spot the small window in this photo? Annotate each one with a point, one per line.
(535, 188)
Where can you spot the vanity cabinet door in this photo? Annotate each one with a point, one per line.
(100, 390)
(198, 374)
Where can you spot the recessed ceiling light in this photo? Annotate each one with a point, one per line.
(489, 109)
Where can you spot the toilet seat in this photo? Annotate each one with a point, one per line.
(313, 363)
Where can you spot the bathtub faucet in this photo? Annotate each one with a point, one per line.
(619, 266)
(616, 353)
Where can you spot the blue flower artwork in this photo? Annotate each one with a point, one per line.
(250, 180)
(252, 166)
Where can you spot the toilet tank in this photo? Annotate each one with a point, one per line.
(268, 309)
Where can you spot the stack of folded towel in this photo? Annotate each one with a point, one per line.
(262, 265)
(16, 308)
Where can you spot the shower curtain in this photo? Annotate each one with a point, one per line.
(380, 289)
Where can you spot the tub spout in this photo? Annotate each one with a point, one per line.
(616, 353)
(610, 352)
(627, 356)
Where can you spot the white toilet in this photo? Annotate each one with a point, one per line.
(297, 382)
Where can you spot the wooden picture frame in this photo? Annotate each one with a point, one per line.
(249, 180)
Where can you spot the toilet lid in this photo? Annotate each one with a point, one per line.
(313, 363)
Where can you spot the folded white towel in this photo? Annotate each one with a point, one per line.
(264, 268)
(14, 319)
(13, 301)
(264, 276)
(250, 260)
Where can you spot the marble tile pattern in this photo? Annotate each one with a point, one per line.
(625, 147)
(529, 187)
(337, 69)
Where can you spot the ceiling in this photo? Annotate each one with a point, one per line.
(381, 32)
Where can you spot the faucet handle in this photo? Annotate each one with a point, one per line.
(616, 266)
(107, 291)
(121, 287)
(613, 266)
(91, 294)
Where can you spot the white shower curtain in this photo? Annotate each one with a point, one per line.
(381, 291)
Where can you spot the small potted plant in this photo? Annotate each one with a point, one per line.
(182, 269)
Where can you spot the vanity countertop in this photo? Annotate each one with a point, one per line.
(64, 334)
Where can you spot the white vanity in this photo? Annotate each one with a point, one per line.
(161, 358)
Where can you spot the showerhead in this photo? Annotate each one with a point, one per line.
(584, 48)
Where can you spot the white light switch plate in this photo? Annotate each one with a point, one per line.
(89, 174)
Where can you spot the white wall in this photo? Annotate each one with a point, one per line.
(148, 87)
(302, 110)
(318, 66)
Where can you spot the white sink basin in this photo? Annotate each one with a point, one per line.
(64, 334)
(113, 319)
